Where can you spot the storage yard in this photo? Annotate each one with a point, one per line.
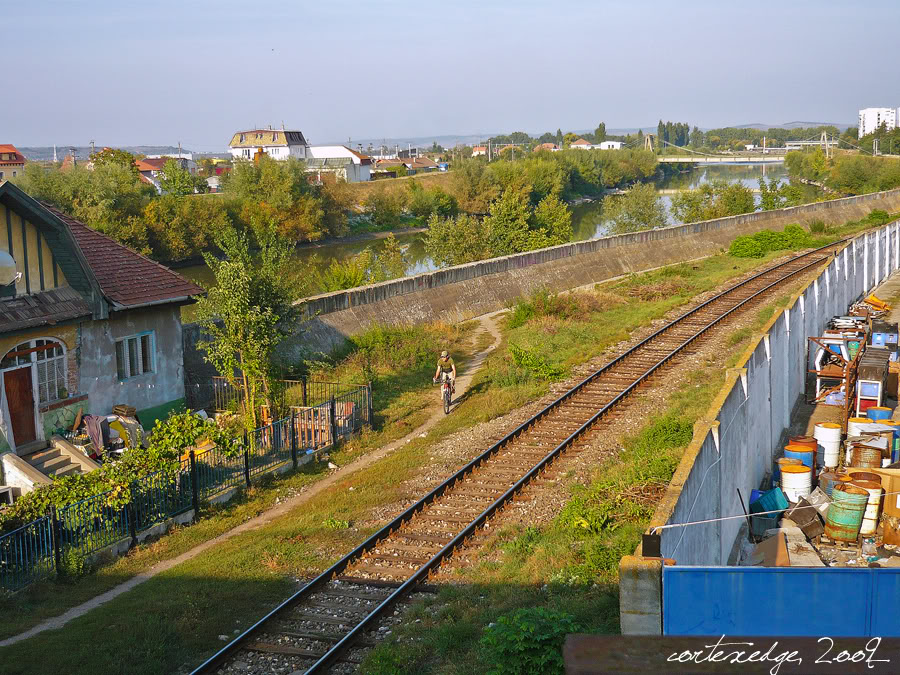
(792, 483)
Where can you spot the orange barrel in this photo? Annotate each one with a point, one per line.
(873, 505)
(845, 515)
(796, 481)
(780, 463)
(865, 457)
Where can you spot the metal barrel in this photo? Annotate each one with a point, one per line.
(845, 515)
(856, 474)
(854, 423)
(804, 453)
(782, 462)
(873, 505)
(796, 481)
(827, 481)
(879, 413)
(865, 457)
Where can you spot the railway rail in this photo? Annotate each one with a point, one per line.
(325, 624)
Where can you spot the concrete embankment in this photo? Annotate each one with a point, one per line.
(465, 291)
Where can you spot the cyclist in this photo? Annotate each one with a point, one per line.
(445, 365)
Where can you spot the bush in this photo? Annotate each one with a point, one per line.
(771, 241)
(796, 237)
(534, 363)
(529, 641)
(746, 247)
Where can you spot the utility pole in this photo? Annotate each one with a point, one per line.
(92, 147)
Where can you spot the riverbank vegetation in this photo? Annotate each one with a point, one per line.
(846, 173)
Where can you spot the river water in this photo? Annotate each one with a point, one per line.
(587, 221)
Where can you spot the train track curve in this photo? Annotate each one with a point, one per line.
(325, 622)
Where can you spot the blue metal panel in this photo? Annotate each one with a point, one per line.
(885, 602)
(781, 601)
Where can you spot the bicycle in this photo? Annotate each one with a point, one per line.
(446, 392)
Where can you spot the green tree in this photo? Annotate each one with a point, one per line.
(454, 241)
(247, 314)
(175, 180)
(600, 133)
(114, 156)
(182, 227)
(716, 199)
(508, 223)
(553, 218)
(638, 209)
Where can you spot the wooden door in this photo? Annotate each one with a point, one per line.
(20, 401)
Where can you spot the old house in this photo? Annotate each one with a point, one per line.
(12, 162)
(88, 324)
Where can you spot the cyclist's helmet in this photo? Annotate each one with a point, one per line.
(444, 354)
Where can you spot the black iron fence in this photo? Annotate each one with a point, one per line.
(76, 531)
(222, 396)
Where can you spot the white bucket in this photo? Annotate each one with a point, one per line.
(830, 453)
(796, 481)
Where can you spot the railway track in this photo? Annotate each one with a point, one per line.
(327, 623)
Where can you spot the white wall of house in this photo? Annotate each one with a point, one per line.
(872, 118)
(273, 151)
(609, 145)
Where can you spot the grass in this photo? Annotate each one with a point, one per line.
(176, 618)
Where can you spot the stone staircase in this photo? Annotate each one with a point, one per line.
(51, 461)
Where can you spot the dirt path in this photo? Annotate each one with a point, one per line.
(463, 382)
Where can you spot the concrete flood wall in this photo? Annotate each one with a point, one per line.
(459, 293)
(735, 445)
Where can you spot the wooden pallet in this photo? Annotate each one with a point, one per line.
(842, 545)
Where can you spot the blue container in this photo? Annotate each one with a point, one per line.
(755, 494)
(805, 455)
(879, 339)
(772, 500)
(878, 413)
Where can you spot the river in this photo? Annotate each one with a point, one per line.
(587, 221)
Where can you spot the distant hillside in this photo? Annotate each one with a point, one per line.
(45, 154)
(794, 125)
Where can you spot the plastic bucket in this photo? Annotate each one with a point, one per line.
(873, 506)
(845, 515)
(879, 412)
(896, 424)
(755, 494)
(796, 481)
(781, 462)
(865, 457)
(805, 454)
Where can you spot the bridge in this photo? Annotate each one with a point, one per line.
(770, 158)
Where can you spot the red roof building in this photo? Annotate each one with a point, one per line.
(12, 162)
(107, 319)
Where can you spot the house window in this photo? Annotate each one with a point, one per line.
(1, 175)
(135, 355)
(49, 359)
(242, 138)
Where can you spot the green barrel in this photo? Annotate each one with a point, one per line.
(845, 515)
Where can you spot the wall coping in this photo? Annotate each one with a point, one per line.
(32, 474)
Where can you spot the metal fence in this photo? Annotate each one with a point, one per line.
(288, 393)
(36, 550)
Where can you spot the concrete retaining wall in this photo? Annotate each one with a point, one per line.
(459, 293)
(735, 446)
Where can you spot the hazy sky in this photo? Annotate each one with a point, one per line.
(124, 73)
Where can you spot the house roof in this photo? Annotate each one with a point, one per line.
(545, 146)
(11, 149)
(581, 141)
(479, 148)
(155, 164)
(255, 138)
(48, 307)
(126, 278)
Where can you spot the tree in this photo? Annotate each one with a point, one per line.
(179, 227)
(175, 180)
(454, 241)
(115, 157)
(717, 199)
(638, 209)
(600, 133)
(247, 314)
(559, 138)
(553, 218)
(507, 223)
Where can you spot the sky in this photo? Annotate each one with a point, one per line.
(195, 71)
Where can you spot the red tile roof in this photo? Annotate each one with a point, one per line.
(126, 278)
(11, 149)
(155, 164)
(581, 141)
